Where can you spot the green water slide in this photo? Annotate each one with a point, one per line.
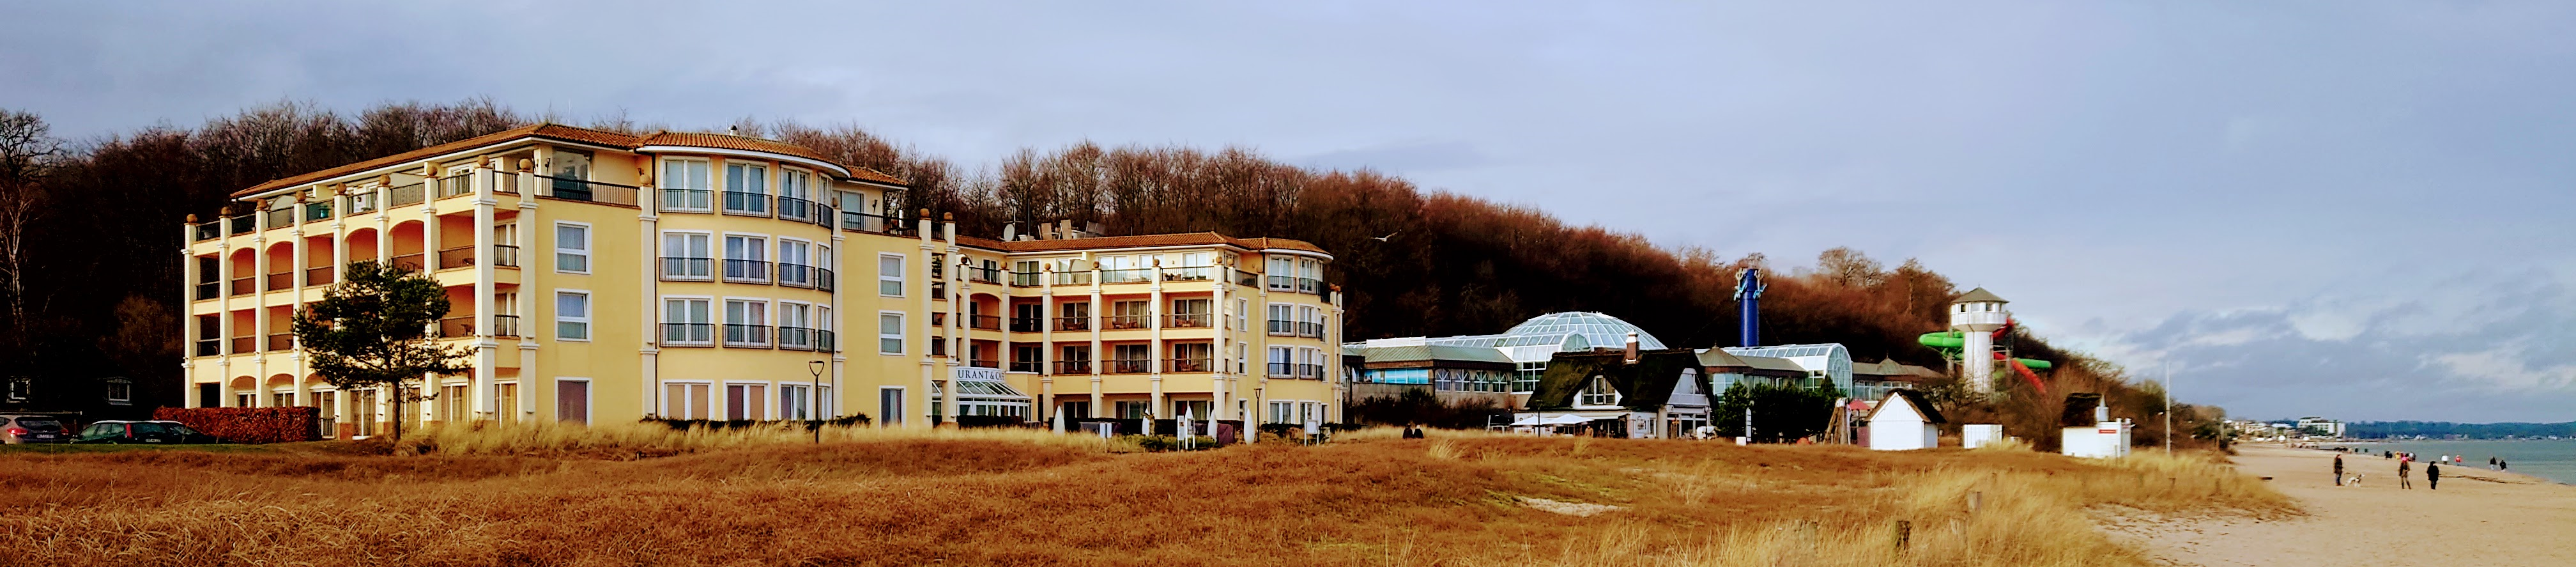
(1950, 343)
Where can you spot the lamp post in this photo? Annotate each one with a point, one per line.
(813, 400)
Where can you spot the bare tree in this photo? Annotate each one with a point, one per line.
(28, 152)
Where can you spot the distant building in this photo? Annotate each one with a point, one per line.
(1390, 367)
(1871, 381)
(1644, 394)
(1827, 363)
(2320, 427)
(1530, 344)
(1904, 420)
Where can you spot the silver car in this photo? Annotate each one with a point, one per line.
(21, 429)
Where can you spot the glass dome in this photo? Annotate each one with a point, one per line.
(1596, 329)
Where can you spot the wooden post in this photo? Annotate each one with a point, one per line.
(1975, 500)
(1904, 531)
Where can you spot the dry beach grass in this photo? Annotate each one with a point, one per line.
(866, 497)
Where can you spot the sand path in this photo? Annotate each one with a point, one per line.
(2478, 517)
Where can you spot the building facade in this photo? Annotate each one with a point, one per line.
(598, 276)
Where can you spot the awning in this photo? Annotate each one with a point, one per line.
(1529, 419)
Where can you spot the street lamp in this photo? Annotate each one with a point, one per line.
(813, 400)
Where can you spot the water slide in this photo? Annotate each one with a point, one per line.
(1950, 343)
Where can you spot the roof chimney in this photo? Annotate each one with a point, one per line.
(1632, 347)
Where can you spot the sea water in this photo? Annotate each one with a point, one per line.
(2550, 459)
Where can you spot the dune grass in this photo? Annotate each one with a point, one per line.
(572, 496)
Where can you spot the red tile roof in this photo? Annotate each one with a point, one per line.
(579, 135)
(1140, 241)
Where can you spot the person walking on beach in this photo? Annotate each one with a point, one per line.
(2338, 470)
(2402, 465)
(2432, 477)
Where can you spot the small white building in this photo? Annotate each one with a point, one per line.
(2105, 439)
(1904, 421)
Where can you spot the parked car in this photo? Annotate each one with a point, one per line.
(141, 432)
(17, 429)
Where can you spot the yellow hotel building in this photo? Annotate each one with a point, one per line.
(599, 277)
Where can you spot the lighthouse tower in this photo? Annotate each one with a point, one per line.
(1977, 315)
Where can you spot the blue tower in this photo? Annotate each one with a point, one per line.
(1748, 297)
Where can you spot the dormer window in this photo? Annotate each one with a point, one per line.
(1599, 393)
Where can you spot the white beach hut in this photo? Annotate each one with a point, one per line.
(1904, 421)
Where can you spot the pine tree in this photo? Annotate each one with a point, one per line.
(372, 330)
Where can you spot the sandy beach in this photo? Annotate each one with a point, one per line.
(2477, 517)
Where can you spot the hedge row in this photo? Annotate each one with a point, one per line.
(248, 425)
(688, 424)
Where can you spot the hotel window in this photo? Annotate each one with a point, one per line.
(795, 325)
(687, 322)
(890, 333)
(1282, 319)
(572, 401)
(746, 323)
(890, 405)
(1129, 315)
(687, 256)
(794, 402)
(1281, 273)
(685, 185)
(685, 401)
(890, 275)
(747, 401)
(795, 194)
(795, 263)
(572, 316)
(572, 248)
(1130, 359)
(1190, 313)
(1242, 314)
(1283, 361)
(1134, 410)
(746, 258)
(746, 188)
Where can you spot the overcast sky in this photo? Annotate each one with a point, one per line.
(2351, 209)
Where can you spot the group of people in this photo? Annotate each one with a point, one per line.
(2405, 466)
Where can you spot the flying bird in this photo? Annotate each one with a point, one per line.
(1388, 235)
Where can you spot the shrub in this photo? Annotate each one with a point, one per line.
(808, 425)
(248, 425)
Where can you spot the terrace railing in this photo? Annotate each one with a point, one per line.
(570, 189)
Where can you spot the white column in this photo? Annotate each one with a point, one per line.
(649, 353)
(957, 328)
(1099, 358)
(929, 372)
(188, 312)
(1154, 335)
(840, 296)
(295, 282)
(531, 237)
(1046, 345)
(486, 361)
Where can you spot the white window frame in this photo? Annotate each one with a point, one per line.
(665, 181)
(902, 325)
(763, 308)
(583, 251)
(587, 389)
(778, 257)
(903, 266)
(713, 390)
(766, 400)
(897, 417)
(713, 256)
(714, 334)
(586, 307)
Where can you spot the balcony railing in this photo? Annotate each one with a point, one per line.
(456, 257)
(795, 275)
(281, 342)
(795, 338)
(1121, 322)
(1130, 366)
(1187, 274)
(244, 224)
(863, 222)
(741, 203)
(1305, 329)
(1315, 371)
(281, 281)
(1187, 321)
(319, 275)
(460, 327)
(362, 202)
(823, 279)
(985, 275)
(1028, 366)
(985, 322)
(209, 290)
(825, 342)
(317, 212)
(984, 363)
(1282, 328)
(1131, 275)
(791, 208)
(688, 269)
(408, 262)
(455, 185)
(1024, 279)
(1073, 367)
(1310, 285)
(245, 345)
(411, 194)
(278, 218)
(1025, 324)
(736, 335)
(686, 200)
(746, 271)
(209, 347)
(209, 231)
(688, 334)
(570, 189)
(245, 286)
(1247, 279)
(1073, 278)
(1073, 323)
(1188, 365)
